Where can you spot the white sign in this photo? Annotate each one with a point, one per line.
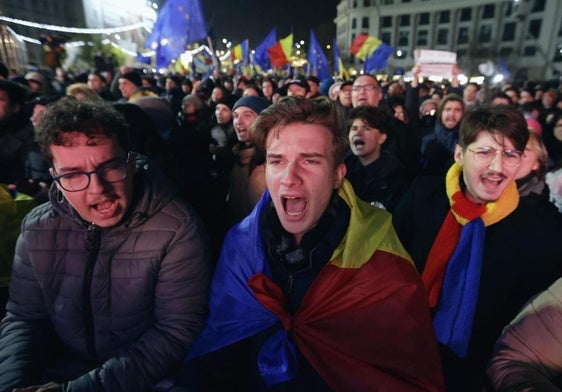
(435, 62)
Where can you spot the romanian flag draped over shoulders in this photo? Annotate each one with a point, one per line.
(364, 323)
(280, 53)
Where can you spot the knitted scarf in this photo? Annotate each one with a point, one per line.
(452, 271)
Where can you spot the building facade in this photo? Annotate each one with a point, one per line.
(99, 14)
(523, 35)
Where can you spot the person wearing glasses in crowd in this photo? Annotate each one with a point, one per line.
(401, 140)
(482, 251)
(110, 277)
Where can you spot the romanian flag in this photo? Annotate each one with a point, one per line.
(363, 325)
(339, 68)
(364, 45)
(280, 53)
(240, 53)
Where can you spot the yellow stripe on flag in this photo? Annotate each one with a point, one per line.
(287, 45)
(368, 47)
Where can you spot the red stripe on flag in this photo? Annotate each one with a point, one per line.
(358, 43)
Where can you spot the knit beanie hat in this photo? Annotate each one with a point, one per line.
(228, 100)
(257, 104)
(133, 77)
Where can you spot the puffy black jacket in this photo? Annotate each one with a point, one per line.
(113, 309)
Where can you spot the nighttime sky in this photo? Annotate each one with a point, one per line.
(237, 20)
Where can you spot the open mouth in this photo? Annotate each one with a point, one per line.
(358, 143)
(106, 208)
(492, 182)
(294, 206)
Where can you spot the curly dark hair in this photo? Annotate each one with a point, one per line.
(69, 115)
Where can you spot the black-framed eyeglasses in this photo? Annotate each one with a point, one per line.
(366, 87)
(488, 154)
(110, 172)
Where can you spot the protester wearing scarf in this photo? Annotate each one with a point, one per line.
(452, 271)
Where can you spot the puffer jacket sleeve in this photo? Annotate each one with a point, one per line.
(26, 330)
(180, 310)
(528, 355)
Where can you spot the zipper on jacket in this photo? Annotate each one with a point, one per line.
(93, 247)
(289, 285)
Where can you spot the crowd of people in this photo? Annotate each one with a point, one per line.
(280, 233)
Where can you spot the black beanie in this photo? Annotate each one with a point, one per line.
(228, 100)
(257, 104)
(133, 77)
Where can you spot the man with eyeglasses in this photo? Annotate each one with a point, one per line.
(401, 140)
(110, 277)
(481, 250)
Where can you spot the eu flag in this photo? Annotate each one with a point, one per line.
(179, 23)
(317, 62)
(261, 57)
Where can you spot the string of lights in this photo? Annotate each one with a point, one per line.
(75, 30)
(114, 30)
(106, 41)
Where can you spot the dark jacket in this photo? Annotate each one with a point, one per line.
(382, 182)
(16, 136)
(107, 308)
(437, 150)
(522, 255)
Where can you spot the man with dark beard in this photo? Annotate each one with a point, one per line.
(438, 147)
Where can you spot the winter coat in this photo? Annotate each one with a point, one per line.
(110, 309)
(529, 352)
(381, 183)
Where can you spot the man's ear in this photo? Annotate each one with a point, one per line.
(458, 154)
(52, 173)
(382, 138)
(340, 174)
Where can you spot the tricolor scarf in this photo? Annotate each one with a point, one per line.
(452, 271)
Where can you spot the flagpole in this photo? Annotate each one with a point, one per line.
(215, 59)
